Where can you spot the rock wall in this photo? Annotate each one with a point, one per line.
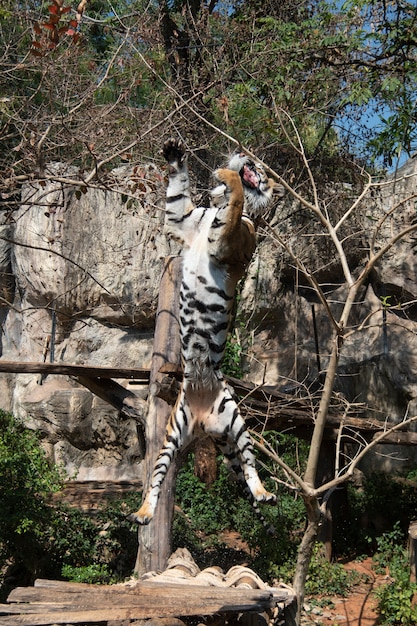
(88, 263)
(83, 265)
(378, 364)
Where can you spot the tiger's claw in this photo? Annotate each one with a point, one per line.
(174, 151)
(266, 498)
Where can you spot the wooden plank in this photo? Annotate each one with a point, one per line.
(145, 592)
(10, 609)
(73, 370)
(65, 585)
(52, 602)
(95, 615)
(48, 588)
(159, 602)
(151, 587)
(73, 617)
(159, 592)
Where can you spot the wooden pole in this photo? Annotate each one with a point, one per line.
(155, 539)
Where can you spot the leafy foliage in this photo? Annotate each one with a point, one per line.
(325, 578)
(395, 599)
(232, 361)
(49, 33)
(140, 69)
(332, 72)
(26, 481)
(367, 513)
(223, 507)
(92, 574)
(45, 537)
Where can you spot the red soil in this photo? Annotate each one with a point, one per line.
(358, 608)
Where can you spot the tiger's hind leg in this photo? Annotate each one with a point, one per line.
(233, 464)
(177, 437)
(227, 427)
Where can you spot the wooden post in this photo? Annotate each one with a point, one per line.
(155, 539)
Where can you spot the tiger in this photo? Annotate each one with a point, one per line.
(218, 243)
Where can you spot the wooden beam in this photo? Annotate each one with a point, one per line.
(94, 371)
(122, 399)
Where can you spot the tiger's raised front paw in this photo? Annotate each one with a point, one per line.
(174, 151)
(228, 177)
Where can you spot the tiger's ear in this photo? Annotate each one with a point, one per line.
(277, 189)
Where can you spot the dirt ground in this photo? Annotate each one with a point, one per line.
(357, 609)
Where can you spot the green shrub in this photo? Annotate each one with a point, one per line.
(331, 579)
(223, 507)
(232, 360)
(370, 510)
(324, 578)
(92, 574)
(27, 480)
(116, 542)
(395, 599)
(95, 549)
(39, 537)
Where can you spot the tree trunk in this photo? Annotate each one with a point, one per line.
(155, 539)
(305, 552)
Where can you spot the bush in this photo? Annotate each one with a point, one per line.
(92, 574)
(374, 508)
(27, 480)
(395, 599)
(41, 538)
(116, 543)
(329, 579)
(208, 512)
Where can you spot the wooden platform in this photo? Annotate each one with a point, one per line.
(54, 602)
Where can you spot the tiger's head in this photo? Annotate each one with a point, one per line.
(258, 188)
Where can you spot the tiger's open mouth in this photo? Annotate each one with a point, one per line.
(250, 177)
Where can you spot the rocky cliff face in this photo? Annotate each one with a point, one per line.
(79, 282)
(85, 266)
(378, 365)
